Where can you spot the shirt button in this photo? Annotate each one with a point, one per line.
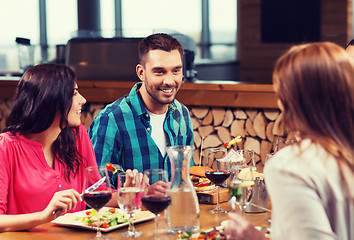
(60, 186)
(148, 129)
(147, 115)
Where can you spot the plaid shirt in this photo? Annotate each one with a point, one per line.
(121, 133)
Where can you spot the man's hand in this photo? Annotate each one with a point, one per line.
(158, 189)
(133, 178)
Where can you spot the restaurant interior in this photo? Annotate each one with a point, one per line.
(226, 98)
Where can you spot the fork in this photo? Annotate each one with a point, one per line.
(232, 203)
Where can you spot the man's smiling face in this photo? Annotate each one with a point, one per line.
(161, 77)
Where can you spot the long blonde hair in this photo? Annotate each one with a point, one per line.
(315, 84)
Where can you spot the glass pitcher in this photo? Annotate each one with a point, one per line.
(183, 212)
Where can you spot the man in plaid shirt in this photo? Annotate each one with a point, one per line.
(134, 130)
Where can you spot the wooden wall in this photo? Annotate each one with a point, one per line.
(257, 59)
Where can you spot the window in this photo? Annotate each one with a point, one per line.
(18, 19)
(61, 23)
(223, 25)
(139, 19)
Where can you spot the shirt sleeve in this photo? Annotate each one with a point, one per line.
(190, 134)
(298, 211)
(89, 154)
(85, 147)
(5, 169)
(103, 133)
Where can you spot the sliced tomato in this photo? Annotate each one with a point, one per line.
(112, 210)
(203, 184)
(88, 213)
(211, 235)
(104, 225)
(110, 167)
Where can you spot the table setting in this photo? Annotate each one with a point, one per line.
(177, 214)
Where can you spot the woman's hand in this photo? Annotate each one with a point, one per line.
(60, 203)
(239, 228)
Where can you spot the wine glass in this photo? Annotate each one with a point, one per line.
(100, 196)
(242, 179)
(281, 143)
(130, 191)
(217, 170)
(156, 201)
(268, 157)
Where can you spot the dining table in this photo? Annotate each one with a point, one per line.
(207, 221)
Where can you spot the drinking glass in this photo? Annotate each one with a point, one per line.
(156, 201)
(281, 143)
(99, 197)
(217, 170)
(242, 179)
(241, 189)
(130, 191)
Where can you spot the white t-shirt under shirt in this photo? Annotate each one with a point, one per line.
(157, 132)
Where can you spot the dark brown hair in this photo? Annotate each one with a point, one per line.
(43, 91)
(158, 41)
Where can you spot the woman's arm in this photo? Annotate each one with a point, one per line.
(21, 221)
(63, 201)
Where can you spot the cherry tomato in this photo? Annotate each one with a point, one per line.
(112, 210)
(110, 167)
(88, 213)
(105, 225)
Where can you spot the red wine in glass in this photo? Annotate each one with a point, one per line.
(98, 197)
(97, 200)
(217, 177)
(217, 170)
(156, 204)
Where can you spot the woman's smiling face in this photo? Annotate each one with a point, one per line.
(74, 116)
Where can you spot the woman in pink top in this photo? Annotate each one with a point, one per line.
(44, 150)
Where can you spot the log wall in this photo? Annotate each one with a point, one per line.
(214, 126)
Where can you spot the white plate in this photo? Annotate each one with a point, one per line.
(141, 216)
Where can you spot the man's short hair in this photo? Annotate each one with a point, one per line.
(158, 41)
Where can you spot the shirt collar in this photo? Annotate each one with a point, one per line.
(138, 106)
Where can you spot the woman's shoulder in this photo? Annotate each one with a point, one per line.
(8, 138)
(305, 160)
(10, 143)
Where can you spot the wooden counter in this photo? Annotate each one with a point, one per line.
(51, 231)
(191, 94)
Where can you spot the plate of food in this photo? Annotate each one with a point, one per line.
(111, 219)
(216, 233)
(200, 182)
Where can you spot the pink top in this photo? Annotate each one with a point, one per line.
(27, 183)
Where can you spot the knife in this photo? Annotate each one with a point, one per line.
(94, 186)
(89, 189)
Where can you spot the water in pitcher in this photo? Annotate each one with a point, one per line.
(185, 211)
